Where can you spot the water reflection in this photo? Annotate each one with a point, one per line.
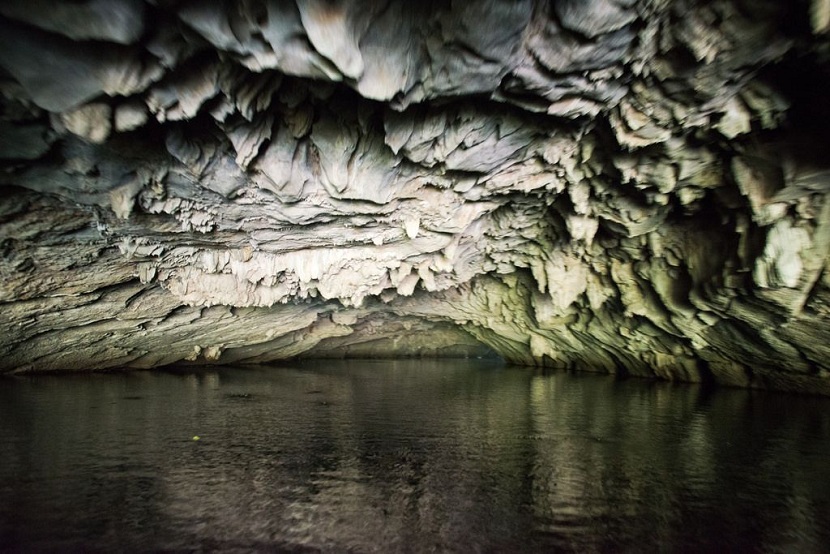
(407, 456)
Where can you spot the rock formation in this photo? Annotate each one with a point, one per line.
(627, 186)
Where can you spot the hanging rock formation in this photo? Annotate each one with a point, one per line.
(625, 186)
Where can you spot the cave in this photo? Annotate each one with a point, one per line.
(626, 187)
(399, 276)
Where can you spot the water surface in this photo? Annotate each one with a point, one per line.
(411, 456)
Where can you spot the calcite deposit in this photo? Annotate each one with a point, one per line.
(636, 187)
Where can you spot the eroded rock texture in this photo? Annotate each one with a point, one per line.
(633, 186)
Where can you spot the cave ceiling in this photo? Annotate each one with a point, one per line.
(627, 186)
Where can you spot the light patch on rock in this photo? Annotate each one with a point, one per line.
(91, 122)
(130, 116)
(780, 265)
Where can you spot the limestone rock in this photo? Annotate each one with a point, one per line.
(129, 116)
(23, 142)
(628, 186)
(90, 122)
(119, 21)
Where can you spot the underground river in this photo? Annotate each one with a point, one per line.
(407, 456)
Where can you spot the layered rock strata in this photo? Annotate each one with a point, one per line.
(627, 186)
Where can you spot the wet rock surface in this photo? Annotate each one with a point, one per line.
(609, 185)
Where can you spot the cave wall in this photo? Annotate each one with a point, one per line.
(626, 186)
